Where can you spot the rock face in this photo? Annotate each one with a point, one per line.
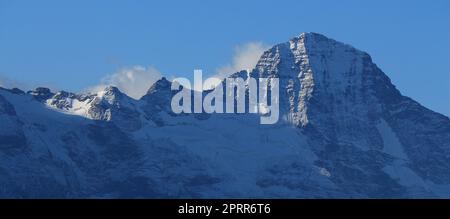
(350, 111)
(344, 131)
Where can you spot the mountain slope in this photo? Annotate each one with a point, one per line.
(344, 131)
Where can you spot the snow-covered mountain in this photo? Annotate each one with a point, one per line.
(344, 131)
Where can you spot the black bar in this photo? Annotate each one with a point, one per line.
(261, 207)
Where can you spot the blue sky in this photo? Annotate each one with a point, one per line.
(76, 44)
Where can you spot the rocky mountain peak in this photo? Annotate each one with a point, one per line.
(41, 93)
(111, 90)
(161, 84)
(321, 74)
(111, 94)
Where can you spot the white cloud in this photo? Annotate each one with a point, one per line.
(134, 81)
(245, 57)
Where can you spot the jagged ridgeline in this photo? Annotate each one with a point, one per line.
(344, 131)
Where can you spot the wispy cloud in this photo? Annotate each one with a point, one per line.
(136, 80)
(133, 81)
(245, 57)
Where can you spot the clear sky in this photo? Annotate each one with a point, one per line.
(73, 45)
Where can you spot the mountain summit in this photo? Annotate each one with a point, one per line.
(345, 131)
